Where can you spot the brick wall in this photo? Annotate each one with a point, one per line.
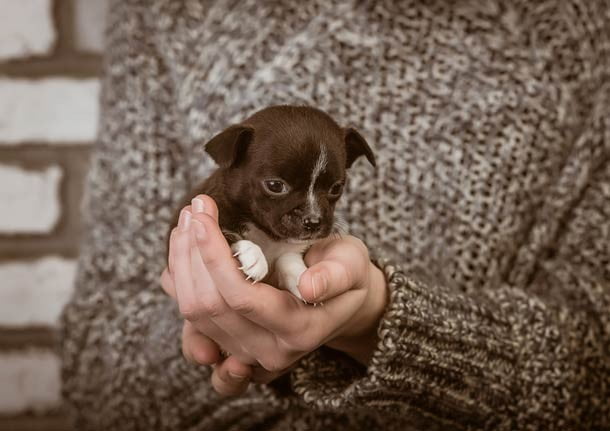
(49, 67)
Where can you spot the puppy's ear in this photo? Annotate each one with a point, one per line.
(356, 146)
(228, 148)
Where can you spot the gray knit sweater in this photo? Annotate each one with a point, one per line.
(489, 210)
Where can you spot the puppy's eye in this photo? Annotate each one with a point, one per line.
(335, 190)
(275, 187)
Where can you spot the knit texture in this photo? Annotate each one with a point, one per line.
(489, 211)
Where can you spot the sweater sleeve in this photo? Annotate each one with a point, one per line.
(503, 359)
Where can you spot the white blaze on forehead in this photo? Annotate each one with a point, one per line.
(315, 173)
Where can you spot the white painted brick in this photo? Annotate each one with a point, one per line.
(90, 22)
(48, 110)
(29, 380)
(34, 293)
(30, 199)
(26, 28)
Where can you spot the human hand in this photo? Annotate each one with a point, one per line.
(267, 330)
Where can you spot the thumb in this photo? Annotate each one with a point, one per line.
(325, 280)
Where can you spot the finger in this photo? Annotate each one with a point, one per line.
(259, 302)
(167, 284)
(334, 267)
(333, 317)
(256, 340)
(197, 297)
(197, 347)
(205, 204)
(347, 247)
(325, 280)
(277, 311)
(214, 249)
(181, 267)
(231, 377)
(197, 293)
(221, 338)
(171, 253)
(318, 250)
(337, 279)
(260, 375)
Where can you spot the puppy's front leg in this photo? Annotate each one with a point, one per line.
(289, 268)
(253, 261)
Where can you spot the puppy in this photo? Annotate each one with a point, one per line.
(281, 172)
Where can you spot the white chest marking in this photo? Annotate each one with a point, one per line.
(273, 249)
(315, 173)
(285, 259)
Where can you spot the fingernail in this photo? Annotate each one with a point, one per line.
(237, 377)
(319, 286)
(185, 220)
(197, 205)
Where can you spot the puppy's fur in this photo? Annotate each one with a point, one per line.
(281, 172)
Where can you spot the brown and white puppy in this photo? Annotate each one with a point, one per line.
(281, 172)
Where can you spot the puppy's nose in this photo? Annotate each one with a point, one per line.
(311, 222)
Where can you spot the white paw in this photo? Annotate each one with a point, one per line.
(289, 268)
(252, 260)
(290, 281)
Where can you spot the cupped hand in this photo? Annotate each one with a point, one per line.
(266, 330)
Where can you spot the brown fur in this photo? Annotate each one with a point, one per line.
(277, 142)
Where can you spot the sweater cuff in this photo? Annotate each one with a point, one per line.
(329, 379)
(432, 358)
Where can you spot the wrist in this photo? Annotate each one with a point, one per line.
(361, 339)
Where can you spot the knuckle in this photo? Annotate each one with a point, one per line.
(198, 354)
(308, 343)
(269, 364)
(299, 343)
(212, 309)
(225, 385)
(212, 260)
(195, 311)
(222, 389)
(241, 305)
(358, 247)
(186, 352)
(263, 376)
(274, 364)
(189, 311)
(165, 283)
(190, 314)
(299, 339)
(202, 357)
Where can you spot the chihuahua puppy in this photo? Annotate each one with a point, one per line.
(281, 172)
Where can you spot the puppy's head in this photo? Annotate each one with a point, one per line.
(285, 169)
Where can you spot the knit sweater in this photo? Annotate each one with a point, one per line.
(489, 210)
